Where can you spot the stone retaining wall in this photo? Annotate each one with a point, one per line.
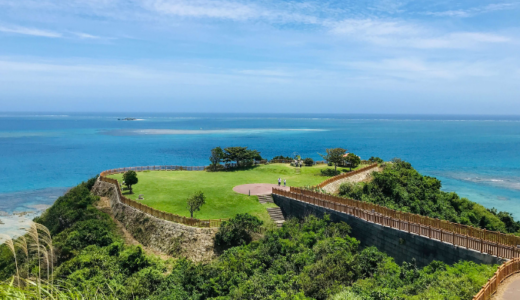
(171, 238)
(400, 245)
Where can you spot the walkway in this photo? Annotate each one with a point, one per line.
(509, 289)
(257, 188)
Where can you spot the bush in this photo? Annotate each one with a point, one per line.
(283, 157)
(376, 160)
(329, 172)
(236, 231)
(308, 161)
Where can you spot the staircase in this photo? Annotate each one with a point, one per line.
(274, 212)
(298, 171)
(265, 198)
(276, 215)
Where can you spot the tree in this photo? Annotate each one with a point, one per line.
(240, 155)
(353, 160)
(237, 231)
(216, 157)
(308, 161)
(237, 154)
(334, 156)
(130, 178)
(195, 202)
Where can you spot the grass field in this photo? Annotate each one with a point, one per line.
(168, 190)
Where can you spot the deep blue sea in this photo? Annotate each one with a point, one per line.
(44, 154)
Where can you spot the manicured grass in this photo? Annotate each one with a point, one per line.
(168, 190)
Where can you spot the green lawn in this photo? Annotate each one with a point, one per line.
(168, 190)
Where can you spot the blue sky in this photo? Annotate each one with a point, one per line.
(376, 56)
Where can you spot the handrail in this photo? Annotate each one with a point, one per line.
(345, 175)
(483, 241)
(152, 211)
(507, 269)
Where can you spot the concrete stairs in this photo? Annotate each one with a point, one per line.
(276, 215)
(274, 212)
(298, 171)
(265, 198)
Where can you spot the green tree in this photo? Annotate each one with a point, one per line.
(353, 160)
(237, 231)
(334, 156)
(308, 161)
(130, 178)
(241, 155)
(217, 154)
(195, 202)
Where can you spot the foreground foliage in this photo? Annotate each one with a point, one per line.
(401, 187)
(310, 259)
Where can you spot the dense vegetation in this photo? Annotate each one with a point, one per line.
(401, 187)
(312, 259)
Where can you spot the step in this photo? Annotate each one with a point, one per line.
(276, 215)
(265, 199)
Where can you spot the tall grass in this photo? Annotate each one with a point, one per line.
(37, 248)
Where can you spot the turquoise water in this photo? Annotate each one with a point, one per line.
(44, 154)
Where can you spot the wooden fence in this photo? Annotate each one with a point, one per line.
(490, 242)
(152, 211)
(345, 175)
(509, 268)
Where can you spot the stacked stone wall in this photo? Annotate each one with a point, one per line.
(164, 236)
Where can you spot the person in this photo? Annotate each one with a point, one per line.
(284, 182)
(279, 181)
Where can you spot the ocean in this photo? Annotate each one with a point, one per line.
(42, 155)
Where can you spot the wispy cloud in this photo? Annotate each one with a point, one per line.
(233, 10)
(415, 69)
(83, 35)
(30, 31)
(464, 13)
(399, 33)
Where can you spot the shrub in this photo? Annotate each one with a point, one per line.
(329, 172)
(376, 159)
(308, 161)
(237, 231)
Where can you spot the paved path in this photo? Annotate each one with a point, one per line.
(257, 188)
(510, 289)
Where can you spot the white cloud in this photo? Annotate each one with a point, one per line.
(83, 35)
(464, 13)
(419, 69)
(30, 31)
(371, 27)
(398, 33)
(198, 8)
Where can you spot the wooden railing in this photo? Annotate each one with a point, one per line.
(345, 175)
(509, 268)
(150, 210)
(490, 242)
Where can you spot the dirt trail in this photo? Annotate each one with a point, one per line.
(104, 205)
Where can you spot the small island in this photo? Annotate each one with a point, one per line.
(127, 119)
